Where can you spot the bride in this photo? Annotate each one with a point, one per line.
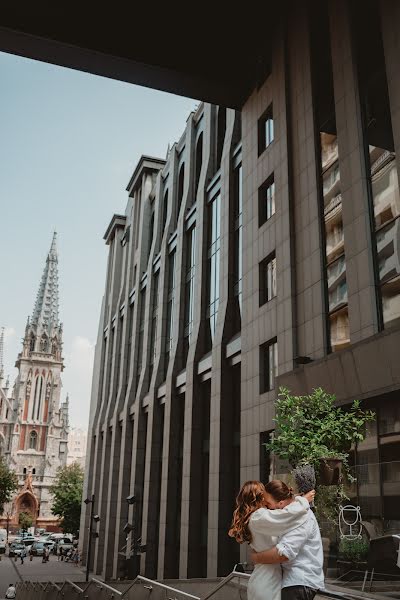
(256, 524)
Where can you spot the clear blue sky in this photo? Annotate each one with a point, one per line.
(69, 144)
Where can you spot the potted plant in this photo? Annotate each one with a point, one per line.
(312, 430)
(352, 555)
(314, 436)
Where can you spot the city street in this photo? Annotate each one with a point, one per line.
(13, 572)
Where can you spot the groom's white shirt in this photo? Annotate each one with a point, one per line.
(303, 548)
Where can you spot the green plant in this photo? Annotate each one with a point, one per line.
(353, 550)
(8, 484)
(67, 492)
(25, 520)
(311, 427)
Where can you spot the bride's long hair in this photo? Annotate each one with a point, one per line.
(250, 498)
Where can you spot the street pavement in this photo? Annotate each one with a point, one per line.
(12, 571)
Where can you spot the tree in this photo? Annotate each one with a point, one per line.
(8, 484)
(67, 493)
(25, 520)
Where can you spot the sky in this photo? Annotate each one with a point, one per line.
(69, 144)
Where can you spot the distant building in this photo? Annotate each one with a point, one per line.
(77, 439)
(33, 421)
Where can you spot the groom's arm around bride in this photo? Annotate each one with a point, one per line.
(301, 555)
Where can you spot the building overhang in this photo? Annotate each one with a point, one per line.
(145, 164)
(117, 221)
(218, 58)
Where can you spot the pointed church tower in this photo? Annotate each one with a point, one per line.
(39, 432)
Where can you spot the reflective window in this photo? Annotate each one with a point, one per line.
(170, 309)
(265, 130)
(198, 164)
(140, 337)
(214, 234)
(153, 334)
(189, 288)
(266, 201)
(268, 365)
(381, 163)
(334, 242)
(238, 221)
(151, 232)
(181, 183)
(221, 130)
(376, 466)
(118, 357)
(129, 334)
(164, 210)
(267, 279)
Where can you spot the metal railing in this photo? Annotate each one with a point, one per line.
(143, 588)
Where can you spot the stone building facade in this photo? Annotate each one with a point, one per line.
(33, 420)
(262, 252)
(77, 442)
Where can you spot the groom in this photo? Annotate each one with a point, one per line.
(301, 555)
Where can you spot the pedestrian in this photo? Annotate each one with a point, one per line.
(23, 554)
(77, 558)
(60, 554)
(11, 591)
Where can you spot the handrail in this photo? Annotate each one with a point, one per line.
(226, 580)
(56, 586)
(106, 586)
(161, 585)
(71, 583)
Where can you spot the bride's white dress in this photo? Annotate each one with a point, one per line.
(266, 526)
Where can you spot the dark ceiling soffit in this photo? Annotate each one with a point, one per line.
(106, 65)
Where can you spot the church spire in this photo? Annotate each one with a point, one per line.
(45, 312)
(1, 355)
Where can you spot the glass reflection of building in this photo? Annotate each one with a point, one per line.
(386, 200)
(334, 243)
(376, 466)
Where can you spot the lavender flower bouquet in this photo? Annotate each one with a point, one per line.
(304, 476)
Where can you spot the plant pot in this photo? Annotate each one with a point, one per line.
(330, 470)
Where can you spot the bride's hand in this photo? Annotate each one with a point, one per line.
(310, 496)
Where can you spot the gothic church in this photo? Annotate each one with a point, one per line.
(33, 421)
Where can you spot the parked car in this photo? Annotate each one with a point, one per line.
(48, 543)
(15, 549)
(37, 549)
(65, 543)
(28, 542)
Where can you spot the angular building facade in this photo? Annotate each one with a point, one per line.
(33, 420)
(262, 252)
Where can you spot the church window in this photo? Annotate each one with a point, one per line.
(33, 471)
(32, 344)
(33, 440)
(24, 470)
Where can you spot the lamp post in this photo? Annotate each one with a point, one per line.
(136, 547)
(92, 518)
(8, 515)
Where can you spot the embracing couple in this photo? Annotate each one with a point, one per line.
(285, 538)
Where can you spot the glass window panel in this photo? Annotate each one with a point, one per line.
(388, 249)
(337, 285)
(385, 185)
(391, 302)
(270, 200)
(339, 329)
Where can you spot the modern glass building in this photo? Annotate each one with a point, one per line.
(263, 251)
